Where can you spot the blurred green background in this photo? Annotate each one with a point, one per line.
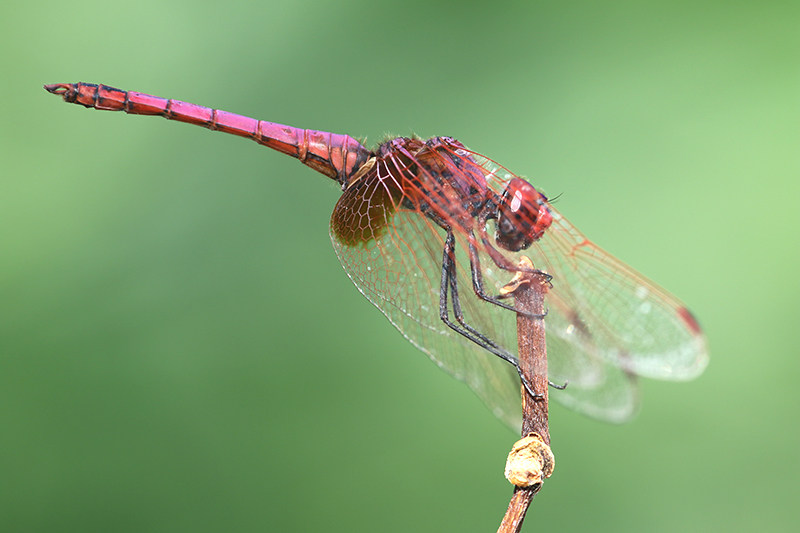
(181, 351)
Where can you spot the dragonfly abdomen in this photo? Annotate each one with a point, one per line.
(337, 156)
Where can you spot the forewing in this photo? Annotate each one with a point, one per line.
(606, 323)
(630, 320)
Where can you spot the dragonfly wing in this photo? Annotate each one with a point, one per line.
(399, 271)
(626, 318)
(597, 386)
(606, 323)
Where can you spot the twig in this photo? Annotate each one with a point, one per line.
(529, 289)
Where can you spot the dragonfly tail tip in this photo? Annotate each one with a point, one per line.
(57, 88)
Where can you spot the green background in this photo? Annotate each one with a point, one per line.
(181, 351)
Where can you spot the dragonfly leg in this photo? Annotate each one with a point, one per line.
(477, 285)
(449, 285)
(475, 268)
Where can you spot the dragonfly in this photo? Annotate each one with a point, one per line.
(431, 232)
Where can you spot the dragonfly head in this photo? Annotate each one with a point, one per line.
(522, 216)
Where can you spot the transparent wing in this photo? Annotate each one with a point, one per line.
(400, 273)
(602, 304)
(606, 323)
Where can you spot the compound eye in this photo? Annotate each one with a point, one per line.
(522, 217)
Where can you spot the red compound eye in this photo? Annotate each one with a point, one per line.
(522, 217)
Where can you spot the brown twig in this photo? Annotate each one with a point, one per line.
(529, 289)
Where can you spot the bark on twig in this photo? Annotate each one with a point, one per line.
(529, 289)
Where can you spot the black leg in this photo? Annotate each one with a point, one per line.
(477, 284)
(449, 285)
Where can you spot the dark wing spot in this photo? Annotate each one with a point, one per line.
(364, 210)
(690, 320)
